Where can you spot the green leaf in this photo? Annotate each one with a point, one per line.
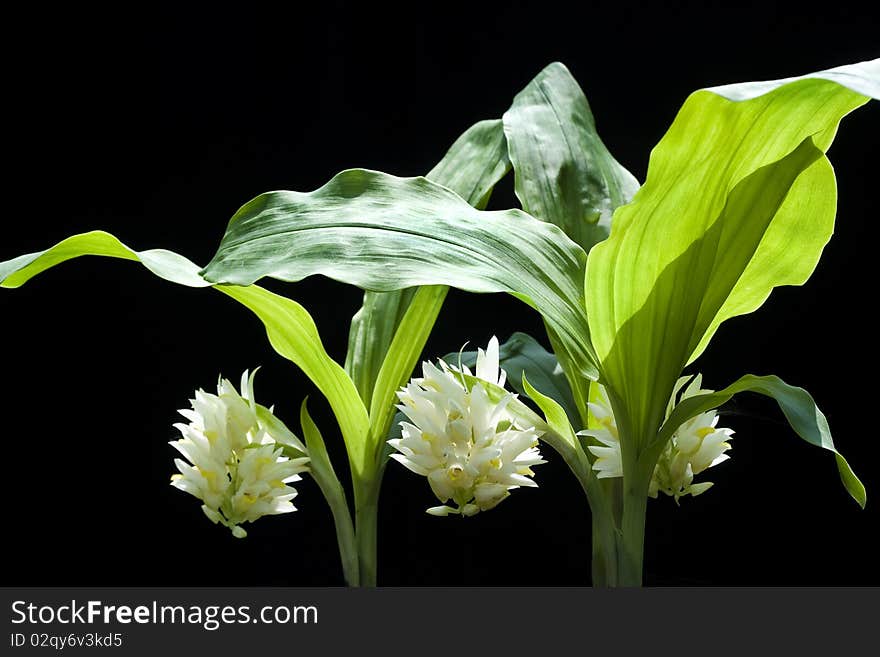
(403, 354)
(727, 188)
(564, 173)
(383, 233)
(522, 355)
(797, 405)
(472, 166)
(863, 78)
(322, 472)
(554, 413)
(475, 163)
(165, 264)
(372, 330)
(279, 431)
(293, 334)
(291, 329)
(560, 435)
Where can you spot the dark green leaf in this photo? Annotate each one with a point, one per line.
(564, 173)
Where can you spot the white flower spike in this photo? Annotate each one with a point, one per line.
(236, 466)
(471, 449)
(696, 445)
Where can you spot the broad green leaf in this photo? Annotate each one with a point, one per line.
(471, 168)
(726, 187)
(797, 405)
(383, 233)
(291, 329)
(522, 355)
(863, 78)
(807, 217)
(475, 163)
(564, 173)
(322, 472)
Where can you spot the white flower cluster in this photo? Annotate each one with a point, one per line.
(696, 445)
(235, 466)
(471, 449)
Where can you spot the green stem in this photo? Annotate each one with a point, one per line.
(605, 535)
(632, 544)
(366, 504)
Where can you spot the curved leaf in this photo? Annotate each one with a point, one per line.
(863, 78)
(553, 412)
(797, 405)
(382, 233)
(725, 186)
(291, 329)
(564, 173)
(165, 264)
(293, 334)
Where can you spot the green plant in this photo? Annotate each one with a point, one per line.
(739, 198)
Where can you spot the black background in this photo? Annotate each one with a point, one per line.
(157, 124)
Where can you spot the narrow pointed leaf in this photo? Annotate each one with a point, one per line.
(383, 233)
(798, 407)
(324, 475)
(293, 334)
(553, 412)
(290, 328)
(564, 173)
(558, 434)
(521, 355)
(165, 264)
(294, 447)
(710, 233)
(403, 354)
(372, 330)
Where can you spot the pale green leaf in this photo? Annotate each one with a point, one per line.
(554, 413)
(863, 78)
(806, 216)
(564, 173)
(727, 187)
(165, 264)
(383, 233)
(403, 354)
(293, 334)
(291, 329)
(797, 405)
